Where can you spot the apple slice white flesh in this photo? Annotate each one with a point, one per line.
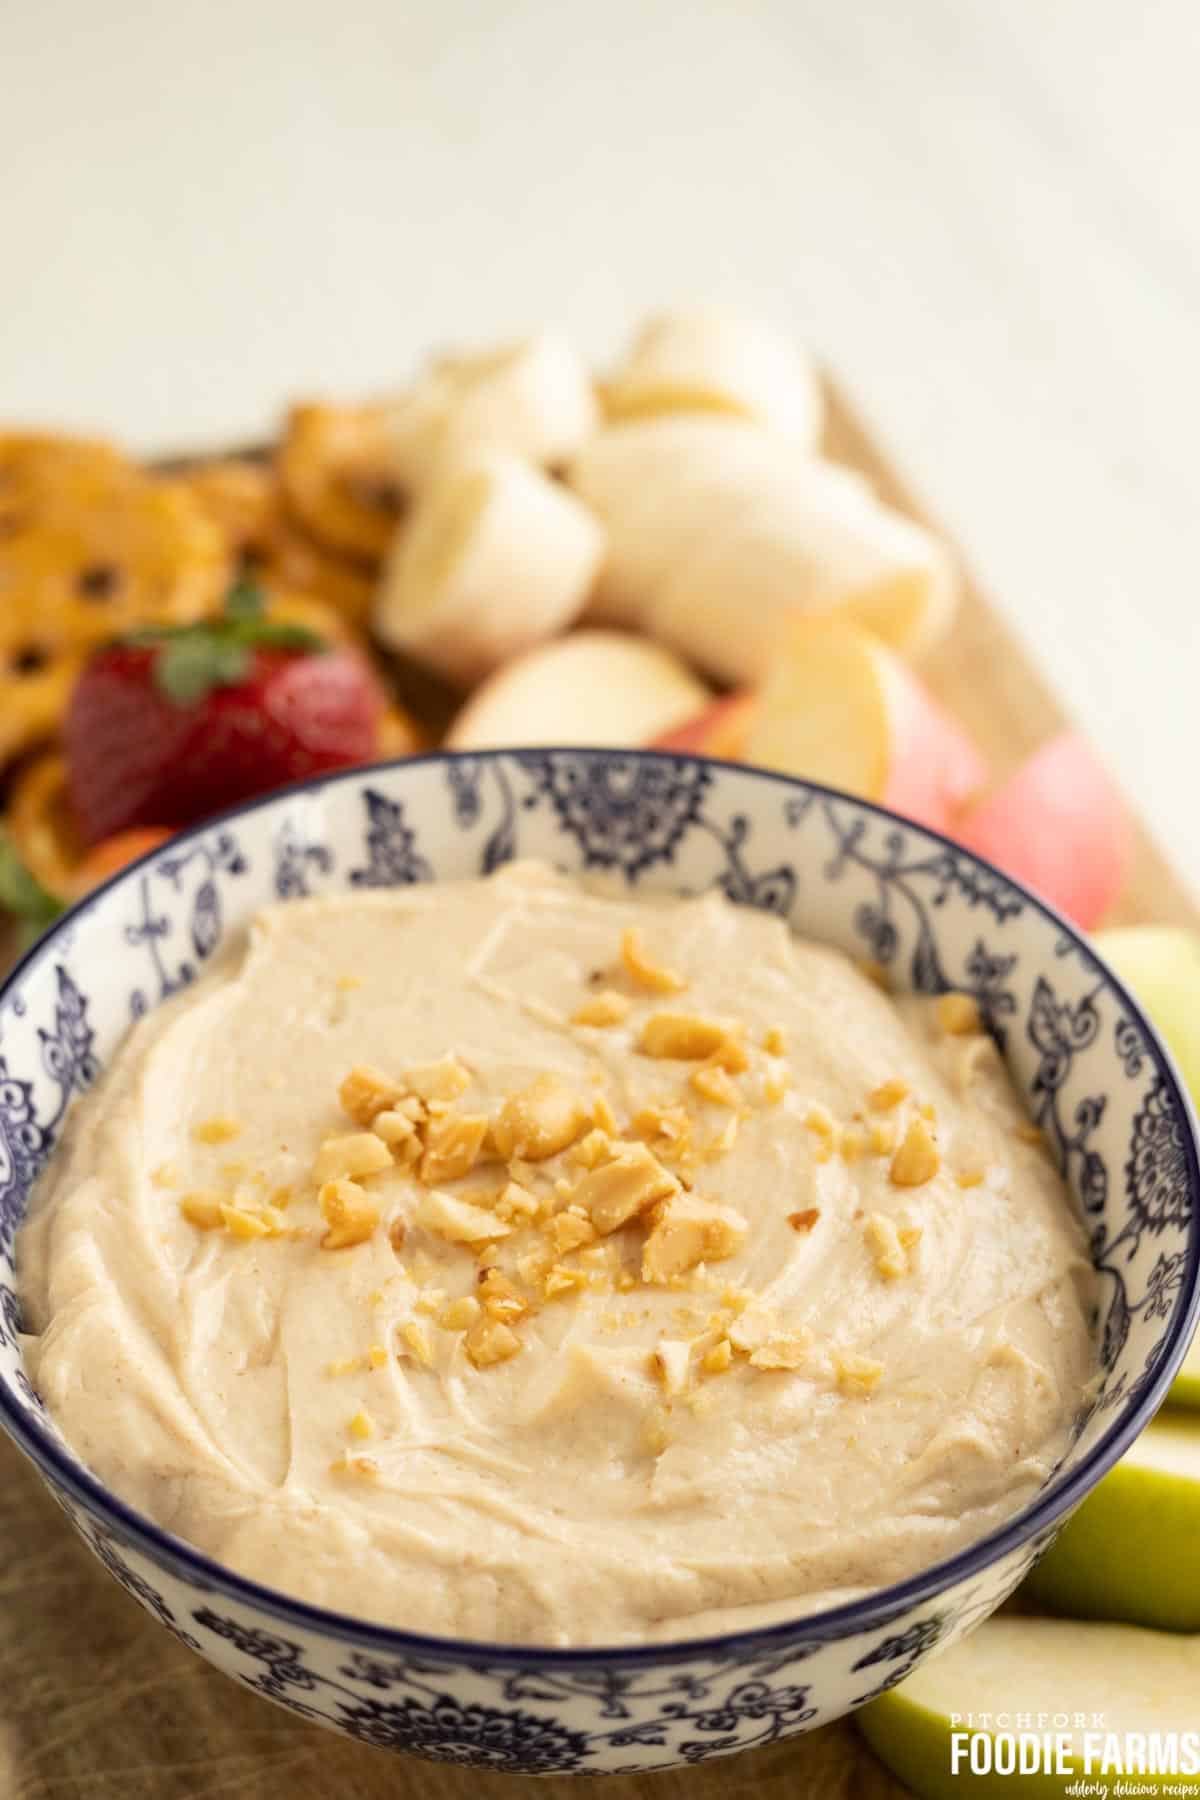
(1161, 964)
(839, 707)
(1139, 1681)
(594, 687)
(1132, 1550)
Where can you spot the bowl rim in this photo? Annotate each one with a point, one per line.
(881, 1606)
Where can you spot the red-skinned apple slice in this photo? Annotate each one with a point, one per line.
(840, 708)
(1060, 826)
(593, 687)
(720, 730)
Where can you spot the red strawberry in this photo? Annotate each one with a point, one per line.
(166, 727)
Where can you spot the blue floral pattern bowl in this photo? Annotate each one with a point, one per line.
(1094, 1076)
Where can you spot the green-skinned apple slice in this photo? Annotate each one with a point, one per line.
(1132, 1550)
(1161, 964)
(1137, 1681)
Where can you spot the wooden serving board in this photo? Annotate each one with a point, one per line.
(98, 1703)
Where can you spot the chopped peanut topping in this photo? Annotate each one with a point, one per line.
(685, 1037)
(377, 1356)
(234, 1171)
(618, 1190)
(491, 1341)
(805, 1219)
(723, 1142)
(500, 1299)
(883, 1137)
(882, 1235)
(715, 1083)
(927, 1110)
(603, 1115)
(241, 1223)
(362, 1425)
(605, 1008)
(417, 1342)
(561, 1280)
(217, 1130)
(752, 1329)
(431, 1301)
(359, 1153)
(349, 1212)
(820, 1120)
(786, 1351)
(540, 1121)
(365, 1467)
(776, 1086)
(445, 1079)
(971, 1177)
(857, 1375)
(461, 1313)
(203, 1209)
(452, 1146)
(719, 1357)
(958, 1015)
(397, 1232)
(774, 1042)
(515, 1203)
(645, 973)
(690, 1231)
(671, 1361)
(592, 1150)
(533, 1266)
(887, 1095)
(457, 1220)
(917, 1160)
(570, 1231)
(852, 1143)
(366, 1092)
(348, 1365)
(399, 1133)
(662, 1121)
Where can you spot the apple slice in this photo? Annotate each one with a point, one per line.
(1132, 1550)
(594, 687)
(840, 708)
(719, 730)
(1060, 826)
(1135, 1681)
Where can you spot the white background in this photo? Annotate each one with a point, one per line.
(984, 213)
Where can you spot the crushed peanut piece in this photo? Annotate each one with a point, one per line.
(461, 1313)
(645, 973)
(662, 1121)
(605, 1008)
(241, 1223)
(603, 1115)
(218, 1130)
(349, 1212)
(883, 1137)
(774, 1041)
(776, 1086)
(570, 1231)
(887, 1095)
(752, 1329)
(561, 1280)
(857, 1375)
(618, 1190)
(592, 1150)
(884, 1238)
(430, 1301)
(457, 1220)
(911, 1235)
(928, 1111)
(452, 1146)
(917, 1160)
(234, 1171)
(490, 1341)
(399, 1133)
(723, 1142)
(683, 1037)
(714, 1083)
(786, 1351)
(974, 1055)
(362, 1425)
(366, 1092)
(852, 1143)
(515, 1202)
(688, 1231)
(671, 1361)
(533, 1266)
(355, 1155)
(820, 1120)
(958, 1014)
(499, 1297)
(346, 1365)
(445, 1079)
(282, 1198)
(805, 1219)
(377, 1356)
(718, 1357)
(365, 1467)
(397, 1232)
(540, 1121)
(203, 1209)
(971, 1177)
(417, 1342)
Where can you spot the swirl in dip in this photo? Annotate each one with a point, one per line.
(501, 1260)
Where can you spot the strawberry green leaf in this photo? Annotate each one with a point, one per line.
(245, 601)
(23, 895)
(190, 666)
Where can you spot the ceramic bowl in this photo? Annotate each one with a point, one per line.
(1092, 1072)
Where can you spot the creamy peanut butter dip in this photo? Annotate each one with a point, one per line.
(502, 1260)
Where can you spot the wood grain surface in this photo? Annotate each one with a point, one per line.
(100, 1704)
